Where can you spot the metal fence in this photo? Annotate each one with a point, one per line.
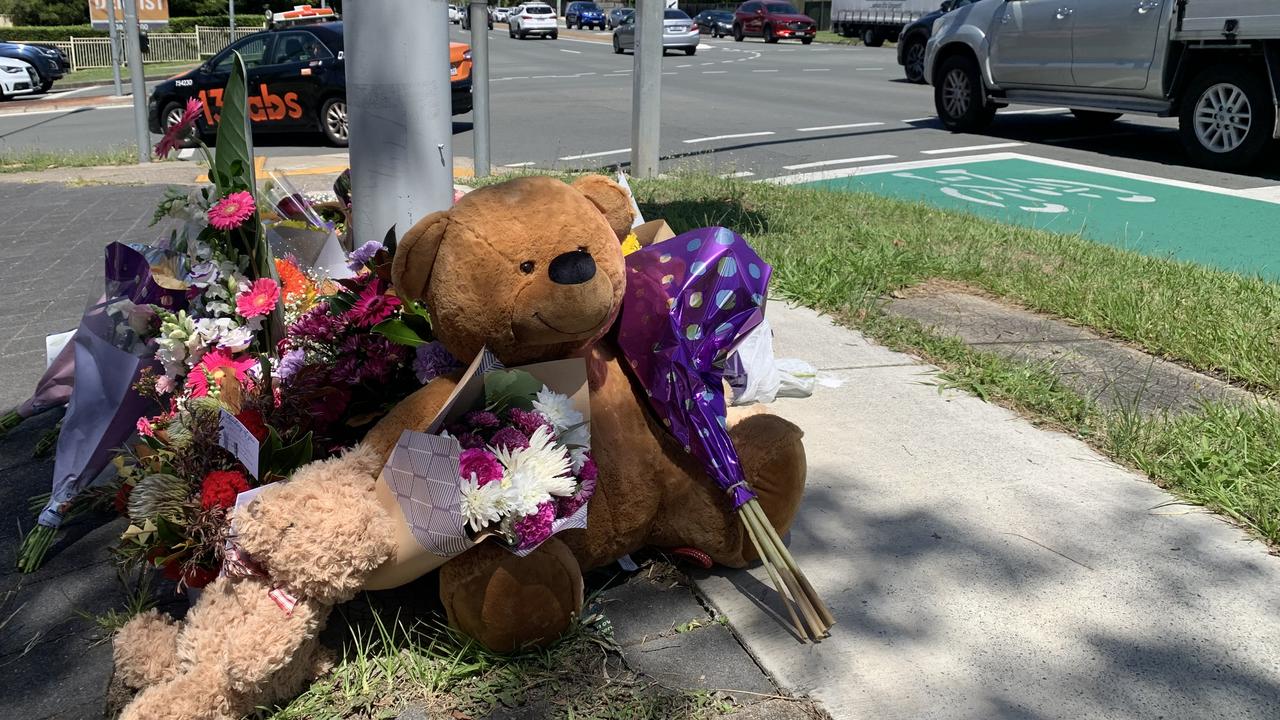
(192, 47)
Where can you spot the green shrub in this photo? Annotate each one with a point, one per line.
(188, 24)
(48, 33)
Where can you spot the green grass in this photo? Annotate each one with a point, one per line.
(31, 160)
(389, 665)
(842, 253)
(150, 70)
(831, 38)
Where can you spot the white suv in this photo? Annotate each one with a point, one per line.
(533, 19)
(17, 78)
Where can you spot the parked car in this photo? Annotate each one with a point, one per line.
(297, 81)
(466, 18)
(17, 77)
(678, 33)
(455, 14)
(533, 19)
(584, 14)
(500, 14)
(914, 36)
(49, 63)
(617, 15)
(716, 23)
(1204, 62)
(772, 21)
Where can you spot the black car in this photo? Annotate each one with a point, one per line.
(916, 34)
(50, 63)
(716, 23)
(297, 82)
(466, 17)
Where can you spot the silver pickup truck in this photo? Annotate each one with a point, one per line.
(1213, 64)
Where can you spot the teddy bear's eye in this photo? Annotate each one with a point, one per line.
(526, 267)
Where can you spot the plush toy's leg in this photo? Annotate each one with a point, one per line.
(146, 649)
(772, 457)
(507, 602)
(199, 694)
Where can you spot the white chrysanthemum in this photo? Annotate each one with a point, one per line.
(557, 409)
(578, 458)
(483, 505)
(537, 472)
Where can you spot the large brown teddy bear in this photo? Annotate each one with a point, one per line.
(318, 536)
(533, 269)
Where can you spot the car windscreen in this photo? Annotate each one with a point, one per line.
(592, 7)
(722, 15)
(781, 8)
(674, 15)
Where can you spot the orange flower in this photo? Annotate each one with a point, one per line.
(295, 282)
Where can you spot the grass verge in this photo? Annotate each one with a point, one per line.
(831, 38)
(841, 253)
(31, 160)
(150, 70)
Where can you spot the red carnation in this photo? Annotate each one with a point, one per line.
(220, 488)
(199, 577)
(122, 499)
(253, 422)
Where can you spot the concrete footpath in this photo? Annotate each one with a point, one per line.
(980, 567)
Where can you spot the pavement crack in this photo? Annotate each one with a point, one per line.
(1046, 547)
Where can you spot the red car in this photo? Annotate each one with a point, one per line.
(772, 21)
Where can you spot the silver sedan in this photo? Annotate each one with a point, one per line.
(678, 33)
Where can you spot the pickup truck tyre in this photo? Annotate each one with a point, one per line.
(1227, 117)
(962, 106)
(913, 54)
(737, 33)
(872, 38)
(1095, 117)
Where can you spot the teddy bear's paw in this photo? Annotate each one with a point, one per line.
(145, 649)
(771, 453)
(198, 695)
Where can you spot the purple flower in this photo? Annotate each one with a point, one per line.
(480, 419)
(432, 361)
(468, 440)
(527, 420)
(363, 254)
(509, 438)
(587, 477)
(533, 529)
(317, 325)
(290, 363)
(480, 463)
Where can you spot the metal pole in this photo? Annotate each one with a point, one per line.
(231, 17)
(480, 85)
(115, 46)
(137, 80)
(646, 89)
(401, 124)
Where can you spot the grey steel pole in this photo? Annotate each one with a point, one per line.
(646, 89)
(137, 80)
(401, 124)
(114, 32)
(231, 18)
(480, 85)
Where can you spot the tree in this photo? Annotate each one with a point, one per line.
(46, 12)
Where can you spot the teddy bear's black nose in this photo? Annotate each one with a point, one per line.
(572, 268)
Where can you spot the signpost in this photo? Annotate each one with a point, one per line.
(646, 89)
(149, 12)
(480, 84)
(115, 47)
(133, 45)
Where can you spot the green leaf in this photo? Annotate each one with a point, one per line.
(233, 161)
(510, 388)
(291, 457)
(398, 332)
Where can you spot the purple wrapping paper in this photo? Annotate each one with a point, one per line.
(688, 302)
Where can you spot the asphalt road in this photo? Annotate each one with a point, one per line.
(748, 108)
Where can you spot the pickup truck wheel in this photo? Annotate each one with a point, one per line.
(737, 33)
(1095, 117)
(958, 96)
(1227, 117)
(872, 38)
(913, 55)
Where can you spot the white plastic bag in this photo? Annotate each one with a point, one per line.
(756, 376)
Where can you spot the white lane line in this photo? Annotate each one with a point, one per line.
(77, 91)
(840, 127)
(762, 71)
(615, 75)
(670, 73)
(923, 119)
(843, 161)
(596, 154)
(518, 165)
(816, 70)
(726, 62)
(867, 69)
(1037, 111)
(739, 174)
(971, 148)
(65, 111)
(575, 52)
(729, 137)
(714, 72)
(684, 66)
(710, 63)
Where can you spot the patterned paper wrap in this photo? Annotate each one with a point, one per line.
(688, 302)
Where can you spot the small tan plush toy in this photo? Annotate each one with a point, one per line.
(310, 542)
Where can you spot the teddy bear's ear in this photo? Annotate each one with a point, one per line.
(416, 254)
(611, 199)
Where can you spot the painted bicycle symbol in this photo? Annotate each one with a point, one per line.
(1034, 195)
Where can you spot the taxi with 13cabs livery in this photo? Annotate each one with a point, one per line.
(296, 83)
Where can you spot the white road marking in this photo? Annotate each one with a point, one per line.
(843, 161)
(64, 111)
(575, 52)
(762, 71)
(1037, 111)
(670, 73)
(839, 127)
(864, 69)
(739, 174)
(77, 91)
(1270, 193)
(816, 70)
(615, 75)
(923, 119)
(729, 137)
(518, 165)
(596, 154)
(714, 72)
(725, 62)
(972, 148)
(684, 66)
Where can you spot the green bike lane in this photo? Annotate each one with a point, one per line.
(1154, 216)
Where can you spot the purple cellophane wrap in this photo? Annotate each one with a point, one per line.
(688, 302)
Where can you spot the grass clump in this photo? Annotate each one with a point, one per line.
(14, 161)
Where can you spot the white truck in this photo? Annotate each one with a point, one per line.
(877, 20)
(1213, 64)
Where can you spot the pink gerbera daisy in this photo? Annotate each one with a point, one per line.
(260, 299)
(231, 211)
(374, 306)
(215, 366)
(175, 134)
